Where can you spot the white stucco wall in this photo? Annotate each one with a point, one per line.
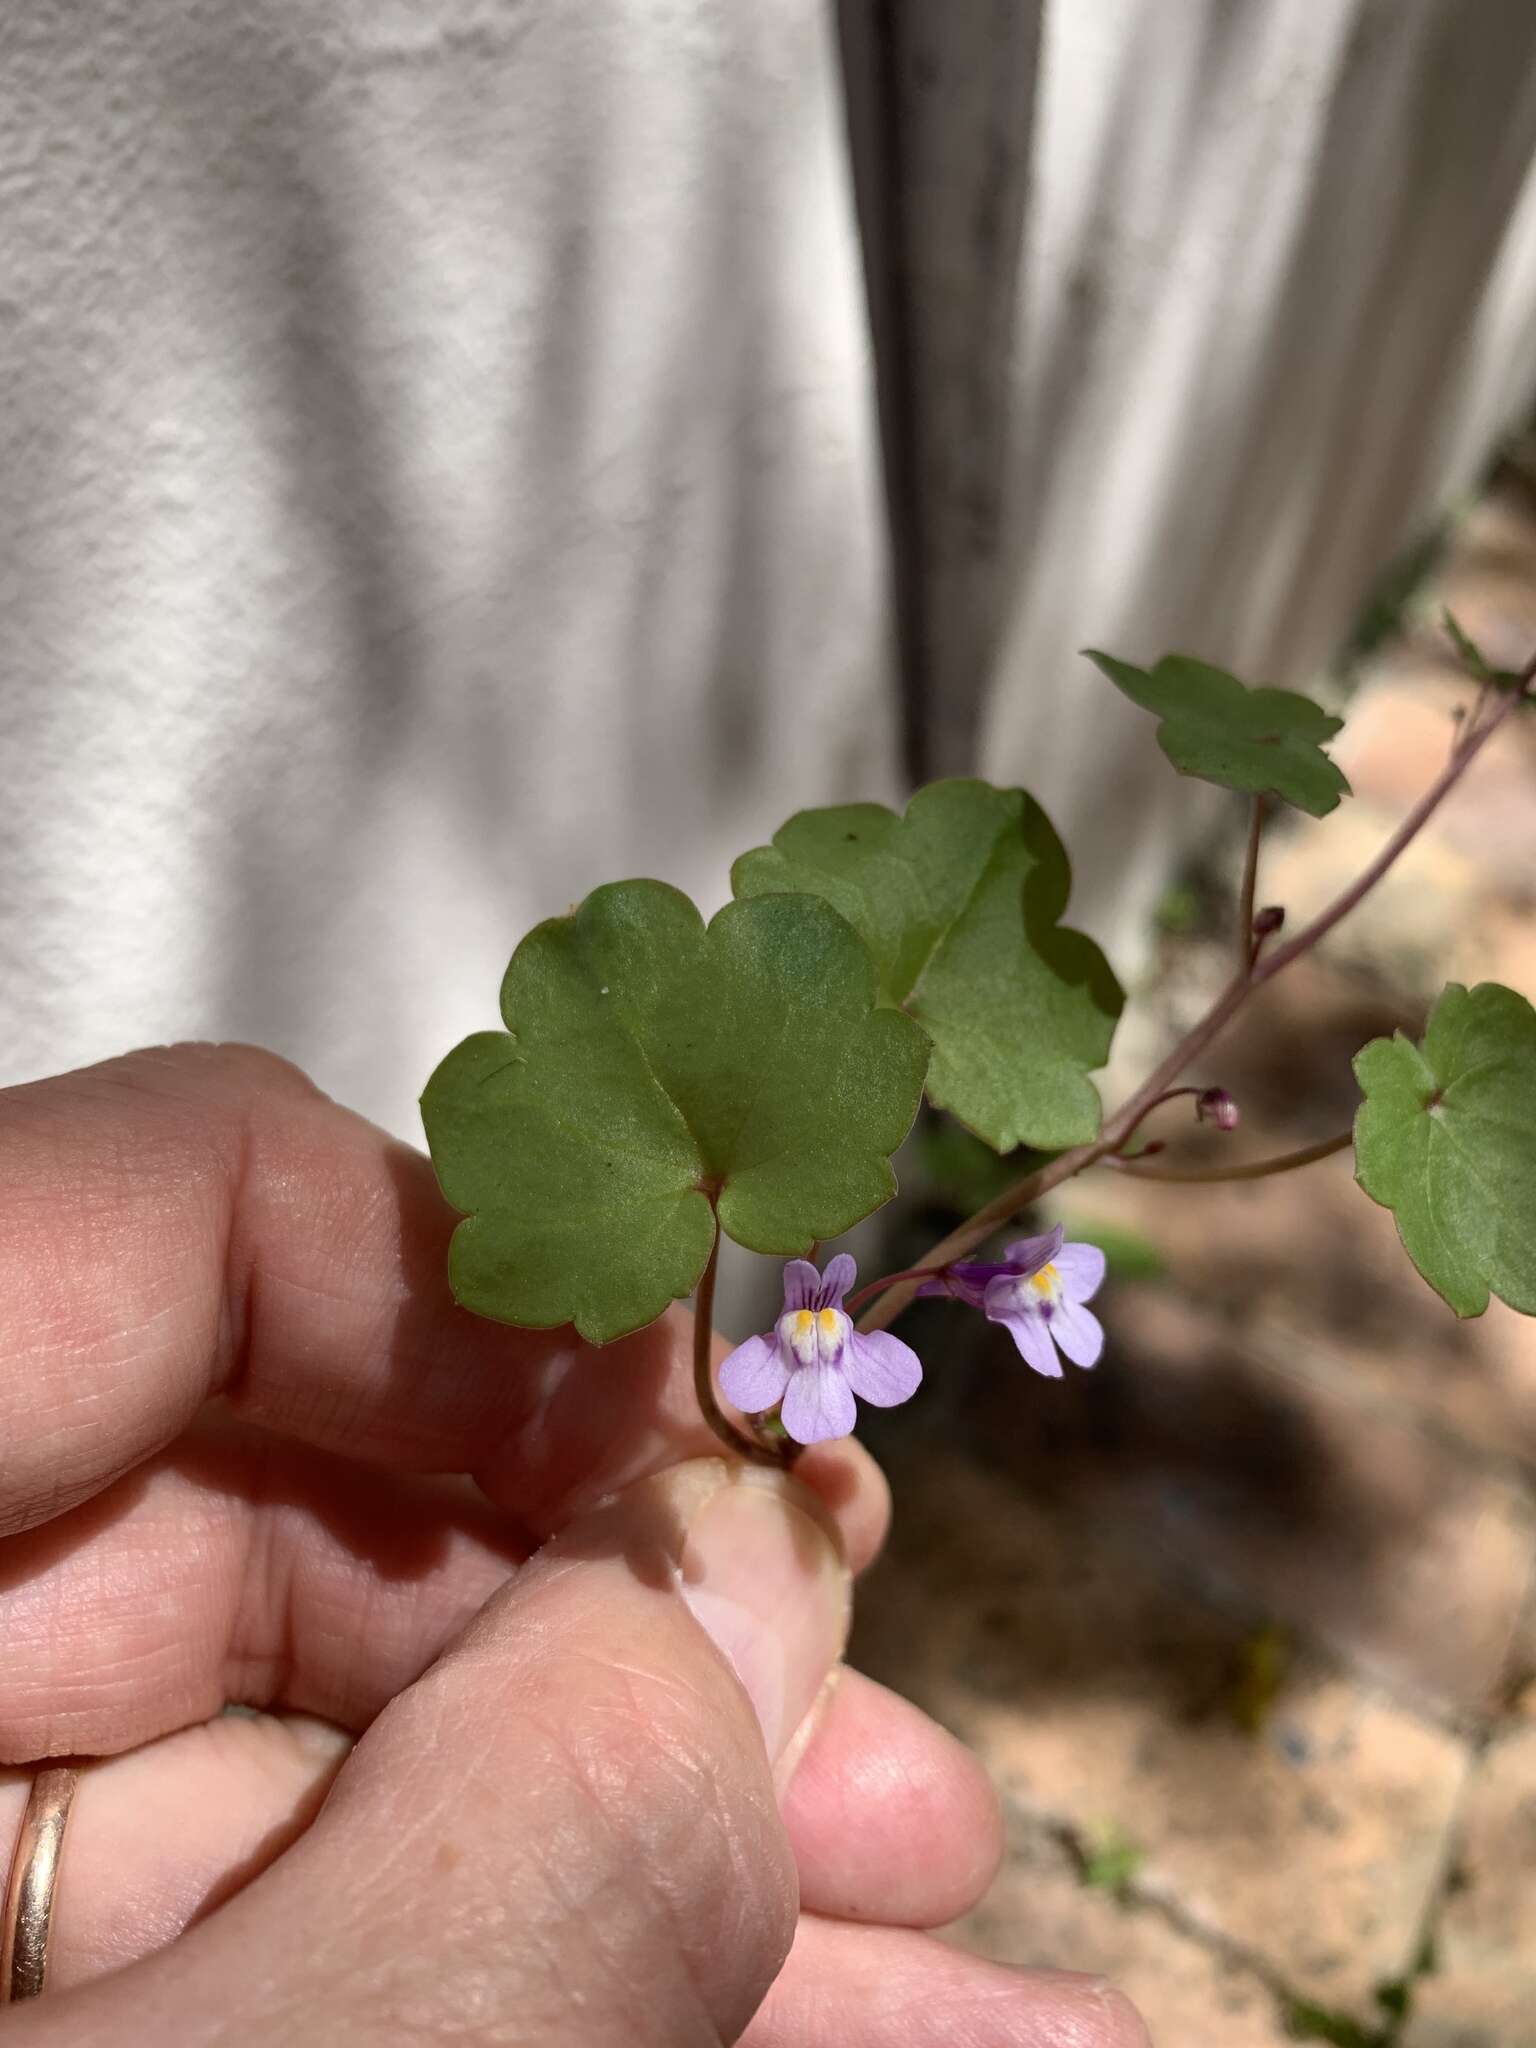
(437, 474)
(437, 469)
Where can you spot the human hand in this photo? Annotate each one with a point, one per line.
(500, 1788)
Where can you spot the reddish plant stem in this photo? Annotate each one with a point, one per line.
(1247, 943)
(743, 1446)
(1479, 702)
(1168, 1095)
(1249, 977)
(981, 1225)
(1254, 1169)
(1173, 1094)
(1412, 824)
(874, 1287)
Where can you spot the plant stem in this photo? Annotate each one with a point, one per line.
(1168, 1095)
(1255, 1169)
(1251, 976)
(1443, 783)
(868, 1293)
(1247, 944)
(981, 1225)
(704, 1376)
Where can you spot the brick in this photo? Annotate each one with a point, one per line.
(1396, 741)
(1303, 1499)
(1482, 1992)
(1475, 1383)
(1520, 1679)
(1100, 1692)
(1038, 1913)
(1414, 929)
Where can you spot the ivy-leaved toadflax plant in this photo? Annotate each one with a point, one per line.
(660, 1081)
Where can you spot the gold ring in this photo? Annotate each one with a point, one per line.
(34, 1877)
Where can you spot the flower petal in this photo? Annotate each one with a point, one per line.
(1027, 1255)
(1081, 1267)
(1078, 1331)
(801, 1282)
(835, 1282)
(818, 1404)
(881, 1369)
(1003, 1296)
(755, 1375)
(1030, 1331)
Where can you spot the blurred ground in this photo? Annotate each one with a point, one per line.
(1243, 1623)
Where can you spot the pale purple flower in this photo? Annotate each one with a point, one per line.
(1037, 1291)
(814, 1361)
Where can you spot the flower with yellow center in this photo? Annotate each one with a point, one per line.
(814, 1361)
(1037, 1290)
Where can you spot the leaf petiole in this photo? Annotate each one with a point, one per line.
(1253, 1169)
(780, 1454)
(1248, 940)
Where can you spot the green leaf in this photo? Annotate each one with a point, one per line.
(1267, 742)
(650, 1066)
(1470, 655)
(1112, 1860)
(958, 901)
(1446, 1139)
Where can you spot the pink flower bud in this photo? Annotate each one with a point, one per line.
(1216, 1106)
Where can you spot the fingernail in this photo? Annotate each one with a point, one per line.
(763, 1576)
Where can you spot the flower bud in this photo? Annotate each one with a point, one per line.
(1216, 1106)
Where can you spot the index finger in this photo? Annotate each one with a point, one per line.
(200, 1220)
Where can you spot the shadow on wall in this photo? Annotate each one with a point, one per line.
(1266, 320)
(467, 495)
(439, 475)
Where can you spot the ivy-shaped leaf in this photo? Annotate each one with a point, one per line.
(958, 901)
(1446, 1139)
(1267, 742)
(654, 1070)
(1472, 657)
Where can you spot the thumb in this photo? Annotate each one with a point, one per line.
(566, 1830)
